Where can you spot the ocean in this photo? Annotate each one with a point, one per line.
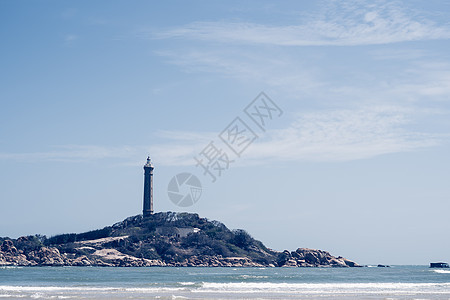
(396, 282)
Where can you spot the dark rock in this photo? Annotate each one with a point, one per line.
(8, 247)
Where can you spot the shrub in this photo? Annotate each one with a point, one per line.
(242, 239)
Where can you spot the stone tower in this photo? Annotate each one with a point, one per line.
(148, 188)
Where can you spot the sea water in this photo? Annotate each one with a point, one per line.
(396, 282)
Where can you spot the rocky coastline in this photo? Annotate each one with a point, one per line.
(164, 240)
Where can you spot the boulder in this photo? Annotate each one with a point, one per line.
(290, 263)
(47, 256)
(81, 261)
(8, 247)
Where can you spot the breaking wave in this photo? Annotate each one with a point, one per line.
(442, 271)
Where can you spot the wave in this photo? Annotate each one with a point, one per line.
(8, 288)
(240, 286)
(442, 271)
(187, 283)
(252, 276)
(220, 288)
(318, 288)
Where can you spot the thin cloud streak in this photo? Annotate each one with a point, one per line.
(71, 153)
(339, 135)
(357, 24)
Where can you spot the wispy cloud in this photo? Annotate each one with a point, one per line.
(236, 50)
(344, 135)
(70, 153)
(336, 135)
(352, 24)
(419, 78)
(278, 71)
(169, 154)
(426, 80)
(178, 149)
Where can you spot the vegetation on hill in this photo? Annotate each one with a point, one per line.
(162, 239)
(145, 241)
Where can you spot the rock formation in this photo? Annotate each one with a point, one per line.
(164, 239)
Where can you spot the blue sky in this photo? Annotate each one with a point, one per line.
(357, 164)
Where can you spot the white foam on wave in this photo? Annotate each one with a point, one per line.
(11, 296)
(186, 283)
(58, 292)
(14, 288)
(252, 276)
(442, 271)
(39, 289)
(318, 288)
(236, 288)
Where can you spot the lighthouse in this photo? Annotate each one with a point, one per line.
(148, 188)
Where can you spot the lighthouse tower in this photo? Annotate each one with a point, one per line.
(148, 188)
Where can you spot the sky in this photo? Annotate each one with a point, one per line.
(352, 158)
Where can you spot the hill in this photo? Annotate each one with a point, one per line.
(162, 239)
